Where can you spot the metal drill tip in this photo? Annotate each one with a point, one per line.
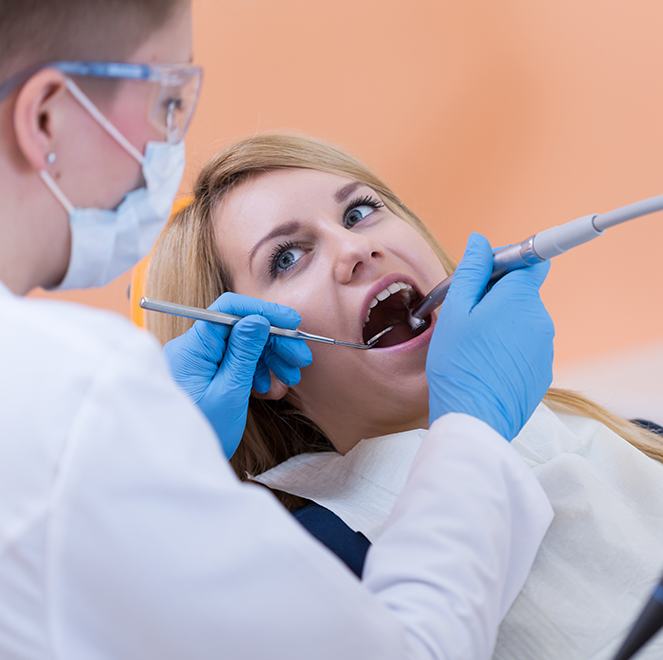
(415, 323)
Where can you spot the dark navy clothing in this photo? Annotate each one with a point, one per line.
(352, 547)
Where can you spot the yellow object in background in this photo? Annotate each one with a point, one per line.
(137, 287)
(139, 275)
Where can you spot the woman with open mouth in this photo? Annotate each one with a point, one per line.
(295, 221)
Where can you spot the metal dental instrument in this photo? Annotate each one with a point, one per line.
(541, 246)
(200, 314)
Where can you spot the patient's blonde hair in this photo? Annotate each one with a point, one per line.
(186, 268)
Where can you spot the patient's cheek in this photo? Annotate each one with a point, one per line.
(313, 318)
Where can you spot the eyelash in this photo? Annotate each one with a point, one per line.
(276, 254)
(366, 200)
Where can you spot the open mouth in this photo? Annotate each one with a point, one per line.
(391, 307)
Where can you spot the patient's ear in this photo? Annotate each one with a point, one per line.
(277, 390)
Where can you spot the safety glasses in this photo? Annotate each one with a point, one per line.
(173, 103)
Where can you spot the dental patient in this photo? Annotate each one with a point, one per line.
(298, 222)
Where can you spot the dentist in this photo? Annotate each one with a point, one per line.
(123, 532)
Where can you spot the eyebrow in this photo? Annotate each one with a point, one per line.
(284, 229)
(343, 193)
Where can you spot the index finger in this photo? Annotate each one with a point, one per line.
(235, 303)
(211, 337)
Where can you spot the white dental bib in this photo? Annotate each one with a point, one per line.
(598, 562)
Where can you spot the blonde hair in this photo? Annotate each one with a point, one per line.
(186, 268)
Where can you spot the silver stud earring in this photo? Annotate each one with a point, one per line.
(51, 158)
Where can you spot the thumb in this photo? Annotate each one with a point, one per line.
(471, 277)
(245, 346)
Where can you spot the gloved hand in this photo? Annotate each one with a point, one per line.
(491, 355)
(217, 365)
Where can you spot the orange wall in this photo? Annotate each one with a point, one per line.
(504, 117)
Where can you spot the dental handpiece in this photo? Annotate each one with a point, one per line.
(539, 247)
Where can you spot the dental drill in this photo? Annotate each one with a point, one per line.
(539, 247)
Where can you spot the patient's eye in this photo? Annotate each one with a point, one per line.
(284, 257)
(360, 209)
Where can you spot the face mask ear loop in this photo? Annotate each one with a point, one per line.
(57, 193)
(103, 121)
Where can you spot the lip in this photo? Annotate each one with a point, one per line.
(412, 344)
(380, 285)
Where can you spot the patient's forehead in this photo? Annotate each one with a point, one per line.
(254, 207)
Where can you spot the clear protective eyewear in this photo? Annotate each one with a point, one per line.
(172, 105)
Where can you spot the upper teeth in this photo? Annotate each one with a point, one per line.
(385, 293)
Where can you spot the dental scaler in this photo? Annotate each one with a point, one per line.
(221, 318)
(542, 246)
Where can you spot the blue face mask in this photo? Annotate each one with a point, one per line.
(106, 243)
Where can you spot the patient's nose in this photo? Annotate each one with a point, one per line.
(355, 256)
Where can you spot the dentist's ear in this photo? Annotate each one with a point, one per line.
(35, 118)
(277, 390)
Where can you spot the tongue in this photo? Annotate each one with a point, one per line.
(400, 334)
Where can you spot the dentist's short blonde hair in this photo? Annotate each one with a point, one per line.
(186, 268)
(36, 31)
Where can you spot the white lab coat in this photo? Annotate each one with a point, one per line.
(125, 535)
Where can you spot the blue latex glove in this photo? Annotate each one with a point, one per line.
(491, 353)
(217, 365)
